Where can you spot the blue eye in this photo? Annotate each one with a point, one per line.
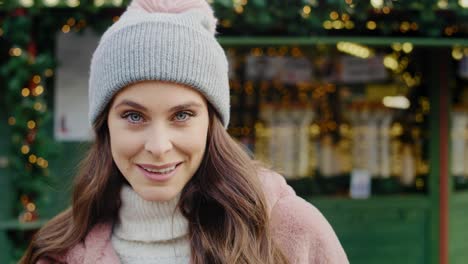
(182, 116)
(133, 117)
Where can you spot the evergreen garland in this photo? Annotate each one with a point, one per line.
(24, 74)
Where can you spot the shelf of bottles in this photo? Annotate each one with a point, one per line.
(322, 115)
(459, 122)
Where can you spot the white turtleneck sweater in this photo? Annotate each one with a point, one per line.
(150, 232)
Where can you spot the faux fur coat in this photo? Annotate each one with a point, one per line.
(300, 230)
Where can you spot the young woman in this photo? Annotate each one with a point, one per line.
(164, 182)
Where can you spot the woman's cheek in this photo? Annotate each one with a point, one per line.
(194, 139)
(128, 143)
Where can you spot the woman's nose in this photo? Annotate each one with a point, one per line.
(158, 142)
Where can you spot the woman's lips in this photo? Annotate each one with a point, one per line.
(159, 177)
(154, 167)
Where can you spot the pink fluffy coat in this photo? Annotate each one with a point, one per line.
(301, 231)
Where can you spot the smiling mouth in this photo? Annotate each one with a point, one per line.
(163, 171)
(166, 170)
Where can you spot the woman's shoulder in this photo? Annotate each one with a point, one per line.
(299, 228)
(304, 234)
(96, 248)
(274, 186)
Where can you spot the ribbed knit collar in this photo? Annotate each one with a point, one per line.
(146, 221)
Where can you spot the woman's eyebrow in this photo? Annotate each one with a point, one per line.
(172, 109)
(185, 106)
(132, 104)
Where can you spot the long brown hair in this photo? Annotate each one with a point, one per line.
(223, 202)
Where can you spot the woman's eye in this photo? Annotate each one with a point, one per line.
(182, 116)
(133, 117)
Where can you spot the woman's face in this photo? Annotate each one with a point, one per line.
(158, 134)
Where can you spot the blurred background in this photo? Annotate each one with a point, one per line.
(361, 105)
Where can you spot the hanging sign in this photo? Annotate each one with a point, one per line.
(357, 70)
(288, 70)
(73, 52)
(296, 70)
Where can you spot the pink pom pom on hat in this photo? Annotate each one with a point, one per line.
(175, 6)
(170, 6)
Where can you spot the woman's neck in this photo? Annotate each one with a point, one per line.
(147, 221)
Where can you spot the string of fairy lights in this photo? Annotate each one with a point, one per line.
(238, 4)
(28, 119)
(318, 16)
(26, 71)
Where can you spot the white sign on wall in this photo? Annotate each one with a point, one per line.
(357, 70)
(74, 52)
(289, 70)
(463, 68)
(360, 186)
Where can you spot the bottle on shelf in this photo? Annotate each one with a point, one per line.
(459, 148)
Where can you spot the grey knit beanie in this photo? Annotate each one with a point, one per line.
(165, 40)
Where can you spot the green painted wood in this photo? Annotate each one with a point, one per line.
(6, 194)
(16, 225)
(5, 248)
(390, 201)
(459, 199)
(434, 123)
(374, 234)
(387, 255)
(5, 179)
(376, 41)
(459, 228)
